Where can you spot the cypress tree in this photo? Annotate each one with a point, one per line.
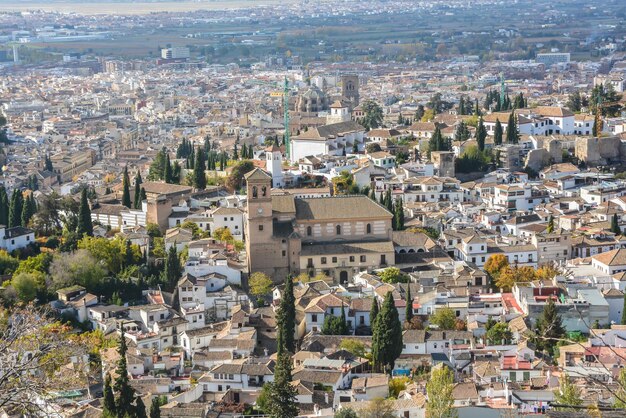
(382, 199)
(286, 319)
(596, 130)
(398, 216)
(207, 144)
(167, 170)
(15, 209)
(84, 225)
(140, 408)
(138, 182)
(481, 135)
(176, 173)
(615, 225)
(192, 157)
(48, 164)
(33, 204)
(388, 201)
(497, 133)
(126, 185)
(387, 336)
(512, 136)
(462, 105)
(143, 194)
(343, 324)
(155, 408)
(477, 111)
(108, 404)
(235, 153)
(373, 194)
(125, 392)
(128, 254)
(27, 212)
(172, 269)
(250, 152)
(199, 176)
(4, 207)
(373, 312)
(223, 159)
(281, 394)
(409, 303)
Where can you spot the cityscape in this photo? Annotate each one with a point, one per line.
(262, 208)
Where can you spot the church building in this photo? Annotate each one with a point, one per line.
(337, 236)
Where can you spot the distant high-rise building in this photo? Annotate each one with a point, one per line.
(177, 52)
(553, 58)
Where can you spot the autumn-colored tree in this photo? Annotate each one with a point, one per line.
(511, 275)
(260, 284)
(495, 264)
(546, 272)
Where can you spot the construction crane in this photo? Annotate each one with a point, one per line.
(285, 94)
(502, 91)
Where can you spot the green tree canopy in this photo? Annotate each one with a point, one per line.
(439, 392)
(444, 318)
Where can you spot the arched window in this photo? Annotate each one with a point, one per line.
(263, 191)
(255, 192)
(368, 228)
(309, 231)
(338, 229)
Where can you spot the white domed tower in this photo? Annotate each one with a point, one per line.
(339, 112)
(274, 165)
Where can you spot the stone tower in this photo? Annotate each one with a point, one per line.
(261, 246)
(274, 160)
(350, 90)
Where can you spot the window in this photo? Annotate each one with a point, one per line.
(334, 259)
(260, 227)
(151, 318)
(383, 259)
(309, 262)
(352, 259)
(255, 194)
(284, 253)
(323, 260)
(313, 318)
(362, 259)
(309, 231)
(368, 228)
(338, 229)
